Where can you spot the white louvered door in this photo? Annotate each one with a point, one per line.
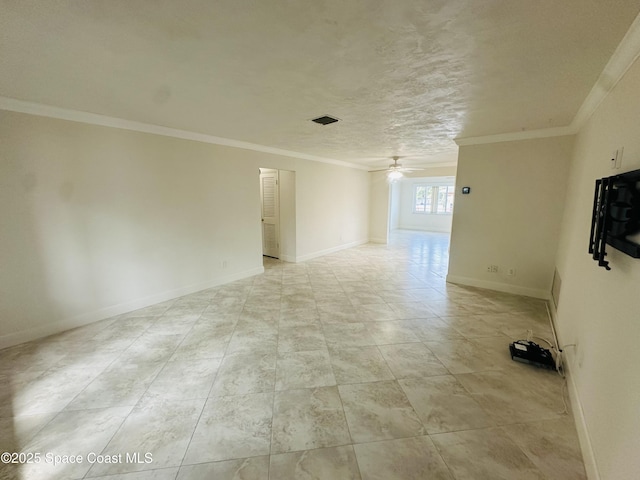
(270, 213)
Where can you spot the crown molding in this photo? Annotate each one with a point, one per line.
(624, 56)
(513, 136)
(42, 110)
(622, 59)
(426, 166)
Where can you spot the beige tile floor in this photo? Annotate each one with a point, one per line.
(360, 364)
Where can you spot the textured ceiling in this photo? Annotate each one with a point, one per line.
(405, 77)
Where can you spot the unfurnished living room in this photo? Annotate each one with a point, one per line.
(319, 240)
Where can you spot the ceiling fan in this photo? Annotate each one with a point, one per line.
(395, 171)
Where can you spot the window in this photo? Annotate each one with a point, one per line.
(433, 199)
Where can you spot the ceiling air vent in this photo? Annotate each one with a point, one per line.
(325, 120)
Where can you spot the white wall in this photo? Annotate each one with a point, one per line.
(287, 215)
(421, 221)
(332, 208)
(379, 208)
(394, 207)
(600, 310)
(96, 221)
(512, 216)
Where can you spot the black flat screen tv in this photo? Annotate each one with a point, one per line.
(615, 219)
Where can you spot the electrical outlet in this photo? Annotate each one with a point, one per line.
(224, 264)
(511, 272)
(493, 268)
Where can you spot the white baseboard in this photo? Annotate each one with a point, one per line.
(309, 256)
(288, 258)
(584, 438)
(500, 287)
(42, 331)
(383, 241)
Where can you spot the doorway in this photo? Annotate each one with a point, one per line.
(278, 213)
(270, 208)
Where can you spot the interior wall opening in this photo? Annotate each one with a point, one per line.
(420, 214)
(422, 203)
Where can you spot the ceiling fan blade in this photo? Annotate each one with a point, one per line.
(397, 167)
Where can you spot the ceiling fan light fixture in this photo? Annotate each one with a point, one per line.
(394, 175)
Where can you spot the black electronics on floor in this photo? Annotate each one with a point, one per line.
(529, 352)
